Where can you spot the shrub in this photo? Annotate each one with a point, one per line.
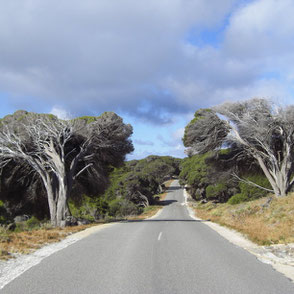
(30, 224)
(216, 191)
(33, 223)
(238, 198)
(123, 207)
(254, 192)
(89, 208)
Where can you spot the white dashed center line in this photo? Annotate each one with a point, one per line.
(159, 236)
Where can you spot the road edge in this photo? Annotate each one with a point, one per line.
(13, 268)
(240, 240)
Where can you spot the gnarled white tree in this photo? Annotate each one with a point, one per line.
(59, 151)
(258, 127)
(266, 132)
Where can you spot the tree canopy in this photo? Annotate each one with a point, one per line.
(258, 128)
(60, 152)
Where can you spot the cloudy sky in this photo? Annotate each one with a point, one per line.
(153, 62)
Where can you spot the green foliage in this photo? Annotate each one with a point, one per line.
(123, 207)
(199, 114)
(253, 192)
(250, 192)
(90, 208)
(238, 198)
(141, 176)
(88, 119)
(31, 224)
(215, 191)
(126, 183)
(194, 169)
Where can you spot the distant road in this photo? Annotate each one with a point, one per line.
(169, 254)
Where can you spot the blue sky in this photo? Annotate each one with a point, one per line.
(153, 64)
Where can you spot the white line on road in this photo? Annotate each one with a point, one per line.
(159, 236)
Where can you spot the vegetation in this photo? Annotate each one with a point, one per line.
(29, 239)
(262, 222)
(57, 154)
(258, 129)
(74, 171)
(132, 189)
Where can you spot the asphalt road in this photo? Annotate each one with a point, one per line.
(169, 254)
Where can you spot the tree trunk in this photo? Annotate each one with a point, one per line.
(278, 181)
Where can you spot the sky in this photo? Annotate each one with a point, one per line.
(152, 62)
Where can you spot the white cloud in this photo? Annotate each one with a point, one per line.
(92, 56)
(178, 134)
(61, 113)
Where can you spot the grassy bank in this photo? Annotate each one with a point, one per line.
(28, 241)
(263, 224)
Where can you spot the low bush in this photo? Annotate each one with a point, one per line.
(90, 208)
(31, 224)
(216, 191)
(250, 192)
(238, 198)
(123, 207)
(253, 192)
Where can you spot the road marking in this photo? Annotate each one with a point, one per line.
(159, 236)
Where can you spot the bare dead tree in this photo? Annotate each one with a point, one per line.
(60, 151)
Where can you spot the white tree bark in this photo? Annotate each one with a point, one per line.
(267, 134)
(60, 151)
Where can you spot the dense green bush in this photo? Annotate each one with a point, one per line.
(90, 208)
(123, 207)
(250, 192)
(216, 191)
(238, 198)
(141, 177)
(127, 184)
(194, 169)
(209, 176)
(31, 224)
(254, 192)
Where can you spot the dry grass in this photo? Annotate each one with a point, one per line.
(264, 226)
(148, 212)
(28, 241)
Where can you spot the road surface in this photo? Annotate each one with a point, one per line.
(169, 254)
